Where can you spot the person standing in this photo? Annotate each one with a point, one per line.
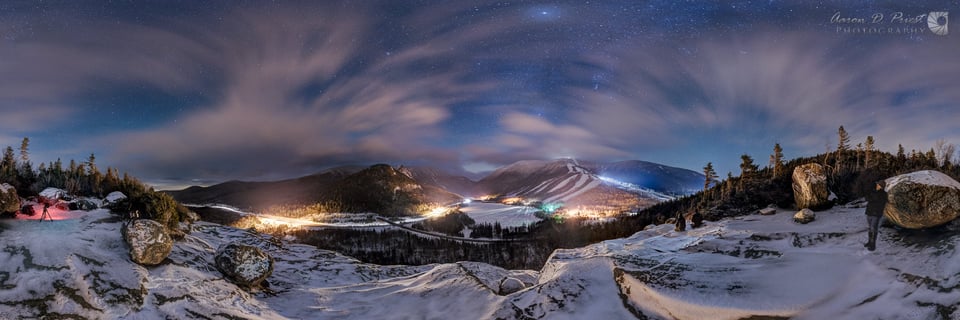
(876, 201)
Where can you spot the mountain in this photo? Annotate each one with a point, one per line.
(625, 185)
(441, 179)
(654, 176)
(755, 267)
(249, 195)
(387, 191)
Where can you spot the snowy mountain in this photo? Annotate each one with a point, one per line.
(754, 266)
(626, 184)
(576, 183)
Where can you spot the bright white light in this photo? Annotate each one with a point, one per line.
(467, 201)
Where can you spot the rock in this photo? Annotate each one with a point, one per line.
(114, 197)
(148, 241)
(9, 200)
(82, 204)
(767, 211)
(810, 186)
(244, 265)
(804, 216)
(680, 224)
(922, 199)
(510, 285)
(53, 195)
(696, 220)
(27, 209)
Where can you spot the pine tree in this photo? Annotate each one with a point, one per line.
(868, 147)
(747, 170)
(859, 152)
(777, 160)
(709, 174)
(24, 150)
(843, 144)
(8, 167)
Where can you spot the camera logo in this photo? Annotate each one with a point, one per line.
(933, 21)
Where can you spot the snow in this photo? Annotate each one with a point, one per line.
(5, 187)
(507, 216)
(732, 269)
(115, 196)
(928, 177)
(53, 193)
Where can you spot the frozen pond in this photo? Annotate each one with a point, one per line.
(508, 216)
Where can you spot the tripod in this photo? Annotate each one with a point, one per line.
(45, 213)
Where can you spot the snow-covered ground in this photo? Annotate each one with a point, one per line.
(507, 216)
(732, 269)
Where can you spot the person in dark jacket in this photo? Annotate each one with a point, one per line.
(876, 201)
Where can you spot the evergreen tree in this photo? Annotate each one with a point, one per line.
(868, 157)
(843, 144)
(8, 167)
(777, 160)
(747, 167)
(747, 170)
(709, 174)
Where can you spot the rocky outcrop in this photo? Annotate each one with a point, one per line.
(53, 195)
(82, 204)
(9, 201)
(148, 241)
(510, 285)
(696, 220)
(244, 265)
(810, 187)
(922, 199)
(804, 216)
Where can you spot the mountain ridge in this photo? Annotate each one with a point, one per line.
(560, 180)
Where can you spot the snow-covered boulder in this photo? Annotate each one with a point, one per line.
(148, 241)
(510, 285)
(810, 186)
(82, 204)
(115, 196)
(804, 216)
(767, 211)
(244, 265)
(9, 201)
(922, 199)
(53, 195)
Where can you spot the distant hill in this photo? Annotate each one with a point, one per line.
(654, 176)
(250, 195)
(387, 191)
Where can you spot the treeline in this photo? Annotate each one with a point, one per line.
(85, 179)
(851, 172)
(388, 247)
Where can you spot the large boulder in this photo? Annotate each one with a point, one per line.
(810, 186)
(804, 216)
(9, 201)
(244, 265)
(148, 241)
(510, 285)
(922, 199)
(82, 204)
(114, 197)
(53, 195)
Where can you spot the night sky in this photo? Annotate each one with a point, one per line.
(188, 92)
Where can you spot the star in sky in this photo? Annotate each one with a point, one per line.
(220, 90)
